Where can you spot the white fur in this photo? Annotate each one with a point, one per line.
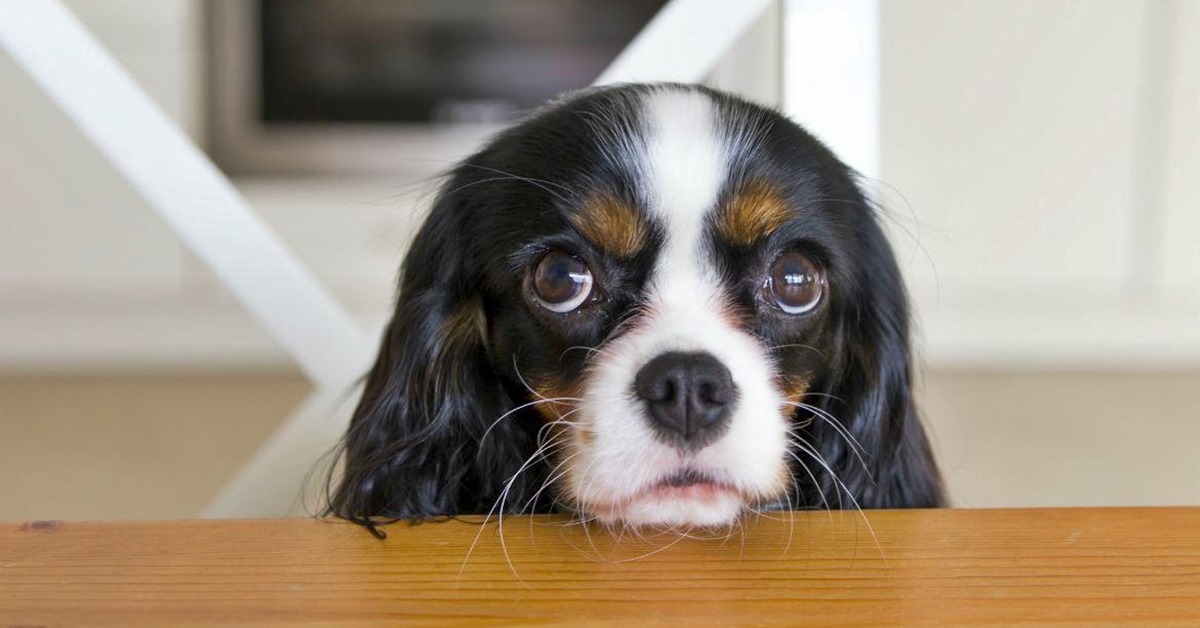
(685, 163)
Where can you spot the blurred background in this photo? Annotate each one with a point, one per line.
(1040, 162)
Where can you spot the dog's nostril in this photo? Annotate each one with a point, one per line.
(688, 397)
(715, 393)
(661, 389)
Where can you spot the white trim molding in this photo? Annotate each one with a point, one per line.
(684, 41)
(831, 76)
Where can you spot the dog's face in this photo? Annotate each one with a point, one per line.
(647, 304)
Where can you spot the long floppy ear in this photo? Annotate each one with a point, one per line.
(413, 449)
(880, 454)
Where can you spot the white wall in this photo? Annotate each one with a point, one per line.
(1040, 161)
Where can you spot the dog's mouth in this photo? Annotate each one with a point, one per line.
(689, 484)
(688, 497)
(685, 478)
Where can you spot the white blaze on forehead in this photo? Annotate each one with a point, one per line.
(685, 163)
(686, 168)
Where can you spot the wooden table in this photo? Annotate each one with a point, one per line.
(951, 567)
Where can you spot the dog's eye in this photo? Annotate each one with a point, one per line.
(795, 283)
(561, 282)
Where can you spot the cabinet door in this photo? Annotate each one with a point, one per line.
(1032, 168)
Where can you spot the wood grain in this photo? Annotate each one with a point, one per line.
(948, 567)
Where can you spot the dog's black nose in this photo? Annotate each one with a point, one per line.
(689, 397)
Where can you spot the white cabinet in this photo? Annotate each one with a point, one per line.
(1041, 167)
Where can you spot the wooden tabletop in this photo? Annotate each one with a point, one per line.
(950, 567)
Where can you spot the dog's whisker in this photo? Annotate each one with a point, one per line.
(817, 485)
(879, 209)
(832, 420)
(538, 182)
(550, 426)
(791, 509)
(799, 443)
(796, 439)
(551, 475)
(554, 475)
(591, 351)
(500, 514)
(813, 393)
(774, 348)
(498, 509)
(807, 449)
(533, 391)
(518, 409)
(855, 447)
(584, 496)
(466, 186)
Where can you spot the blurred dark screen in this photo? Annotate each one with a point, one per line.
(425, 61)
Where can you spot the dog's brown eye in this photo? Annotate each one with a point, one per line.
(561, 282)
(795, 283)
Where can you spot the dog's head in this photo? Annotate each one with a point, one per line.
(654, 305)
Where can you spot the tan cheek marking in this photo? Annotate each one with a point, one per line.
(612, 225)
(753, 213)
(554, 388)
(563, 448)
(792, 387)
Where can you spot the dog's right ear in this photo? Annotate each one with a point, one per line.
(871, 443)
(413, 447)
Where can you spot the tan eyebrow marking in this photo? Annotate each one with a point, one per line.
(753, 212)
(612, 225)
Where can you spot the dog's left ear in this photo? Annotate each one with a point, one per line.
(883, 458)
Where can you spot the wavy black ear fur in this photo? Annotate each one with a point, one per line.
(413, 450)
(884, 459)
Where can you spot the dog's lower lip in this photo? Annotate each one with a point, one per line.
(697, 491)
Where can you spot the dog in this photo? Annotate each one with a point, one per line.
(650, 305)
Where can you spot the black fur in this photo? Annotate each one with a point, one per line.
(457, 355)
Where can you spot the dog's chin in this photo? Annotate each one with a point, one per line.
(674, 507)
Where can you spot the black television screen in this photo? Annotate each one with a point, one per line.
(434, 61)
